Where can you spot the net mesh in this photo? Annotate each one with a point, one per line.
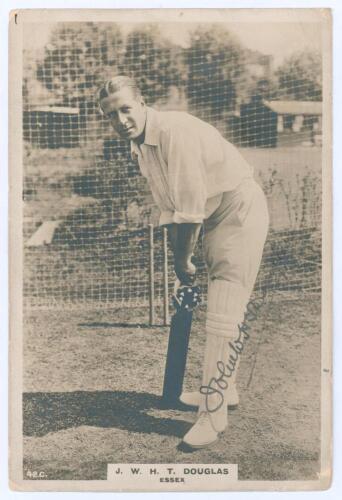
(87, 208)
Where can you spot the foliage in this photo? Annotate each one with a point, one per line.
(216, 68)
(302, 196)
(80, 56)
(152, 61)
(77, 58)
(300, 77)
(213, 69)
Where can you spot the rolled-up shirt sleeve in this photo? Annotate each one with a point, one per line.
(186, 177)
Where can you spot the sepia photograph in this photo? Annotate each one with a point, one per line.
(170, 246)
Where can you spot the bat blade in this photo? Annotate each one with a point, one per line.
(176, 356)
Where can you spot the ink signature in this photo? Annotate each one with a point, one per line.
(218, 384)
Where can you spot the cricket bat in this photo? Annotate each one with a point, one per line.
(185, 299)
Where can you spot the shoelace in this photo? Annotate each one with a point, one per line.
(203, 419)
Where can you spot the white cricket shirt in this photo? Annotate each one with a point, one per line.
(188, 165)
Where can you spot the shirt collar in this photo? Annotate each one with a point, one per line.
(151, 131)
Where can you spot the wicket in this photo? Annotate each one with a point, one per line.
(151, 280)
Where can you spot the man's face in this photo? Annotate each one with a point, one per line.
(126, 113)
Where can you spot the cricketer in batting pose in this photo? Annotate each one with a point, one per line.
(198, 178)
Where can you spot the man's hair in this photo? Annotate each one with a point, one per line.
(117, 83)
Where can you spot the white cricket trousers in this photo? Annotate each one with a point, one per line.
(234, 238)
(235, 234)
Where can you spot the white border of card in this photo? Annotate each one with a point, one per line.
(148, 481)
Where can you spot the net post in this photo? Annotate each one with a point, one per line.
(151, 274)
(165, 279)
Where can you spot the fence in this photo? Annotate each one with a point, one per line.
(86, 207)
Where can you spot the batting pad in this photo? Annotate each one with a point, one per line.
(214, 388)
(226, 307)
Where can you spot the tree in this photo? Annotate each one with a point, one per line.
(300, 77)
(78, 57)
(152, 61)
(216, 67)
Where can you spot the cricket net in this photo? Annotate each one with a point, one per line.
(86, 207)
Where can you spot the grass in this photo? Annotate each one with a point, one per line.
(93, 381)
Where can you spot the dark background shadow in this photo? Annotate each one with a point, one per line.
(54, 411)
